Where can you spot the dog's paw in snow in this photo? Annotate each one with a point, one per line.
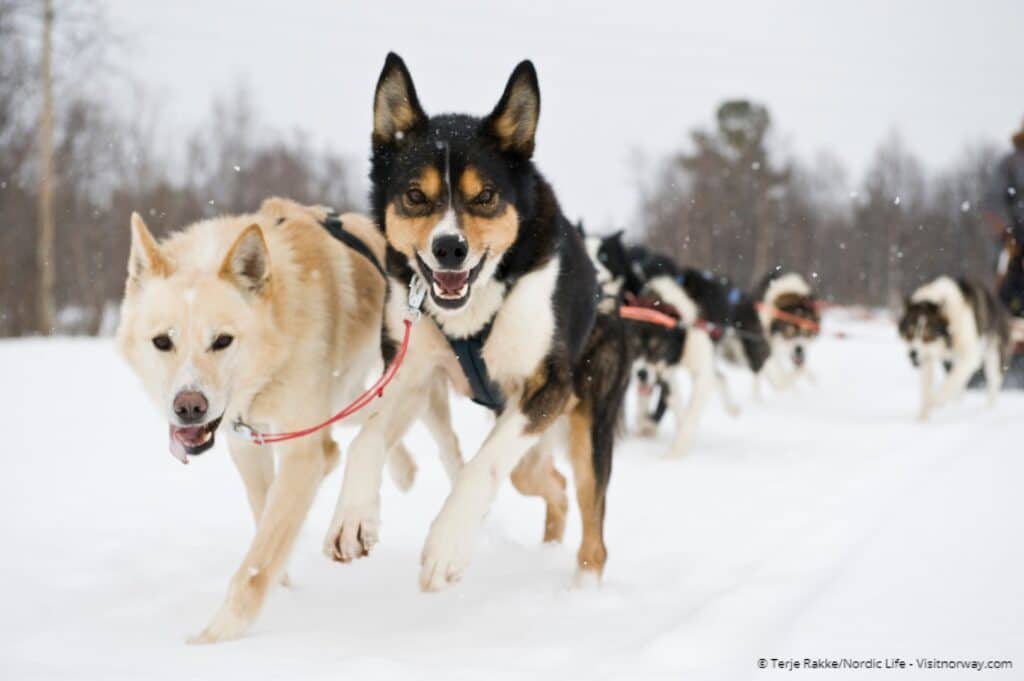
(353, 533)
(586, 579)
(647, 429)
(226, 625)
(448, 550)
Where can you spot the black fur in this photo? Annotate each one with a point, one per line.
(588, 355)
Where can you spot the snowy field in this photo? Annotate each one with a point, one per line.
(822, 523)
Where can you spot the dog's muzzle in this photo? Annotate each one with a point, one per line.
(186, 441)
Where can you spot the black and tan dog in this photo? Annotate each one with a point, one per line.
(510, 318)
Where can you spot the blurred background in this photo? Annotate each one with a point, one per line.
(852, 142)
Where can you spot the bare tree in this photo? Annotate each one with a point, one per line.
(44, 253)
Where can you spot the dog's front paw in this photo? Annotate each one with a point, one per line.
(681, 445)
(646, 429)
(226, 625)
(448, 551)
(353, 533)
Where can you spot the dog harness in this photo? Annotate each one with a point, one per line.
(469, 352)
(332, 223)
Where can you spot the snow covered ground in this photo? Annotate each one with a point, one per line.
(822, 523)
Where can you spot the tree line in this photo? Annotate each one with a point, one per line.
(728, 202)
(108, 162)
(730, 205)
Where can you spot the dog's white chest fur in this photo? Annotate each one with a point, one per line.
(523, 328)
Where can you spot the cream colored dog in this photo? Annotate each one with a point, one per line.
(265, 317)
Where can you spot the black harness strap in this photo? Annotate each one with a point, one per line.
(332, 223)
(469, 352)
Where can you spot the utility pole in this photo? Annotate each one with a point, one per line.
(44, 255)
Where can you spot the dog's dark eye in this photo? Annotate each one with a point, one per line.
(603, 257)
(163, 342)
(221, 342)
(415, 197)
(485, 197)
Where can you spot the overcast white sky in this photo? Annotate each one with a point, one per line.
(616, 78)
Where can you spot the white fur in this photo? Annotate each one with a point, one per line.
(453, 533)
(521, 335)
(789, 283)
(968, 351)
(668, 290)
(698, 359)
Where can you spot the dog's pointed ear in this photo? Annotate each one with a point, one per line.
(396, 109)
(514, 120)
(146, 258)
(247, 263)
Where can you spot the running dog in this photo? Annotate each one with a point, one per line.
(710, 307)
(789, 316)
(268, 318)
(960, 323)
(716, 310)
(509, 318)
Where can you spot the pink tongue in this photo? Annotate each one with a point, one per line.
(178, 450)
(451, 282)
(176, 445)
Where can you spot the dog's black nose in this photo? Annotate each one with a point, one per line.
(450, 251)
(798, 355)
(190, 406)
(642, 375)
(913, 357)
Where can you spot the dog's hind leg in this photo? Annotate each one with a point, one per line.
(993, 371)
(536, 476)
(401, 467)
(722, 384)
(590, 451)
(927, 371)
(438, 420)
(287, 503)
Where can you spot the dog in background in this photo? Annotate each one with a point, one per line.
(268, 318)
(789, 315)
(959, 323)
(510, 319)
(719, 321)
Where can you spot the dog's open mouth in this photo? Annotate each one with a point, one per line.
(189, 441)
(450, 288)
